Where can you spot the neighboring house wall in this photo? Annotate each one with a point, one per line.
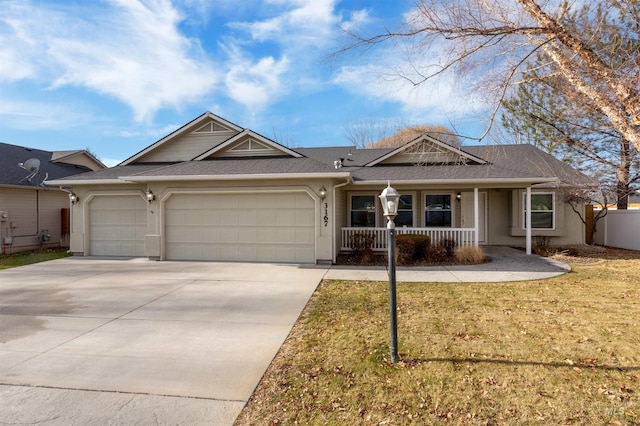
(619, 228)
(30, 211)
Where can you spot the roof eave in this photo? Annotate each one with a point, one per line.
(262, 176)
(512, 181)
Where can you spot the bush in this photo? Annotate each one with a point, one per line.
(405, 249)
(411, 248)
(542, 246)
(441, 252)
(469, 255)
(362, 245)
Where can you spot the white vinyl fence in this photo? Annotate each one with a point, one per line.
(619, 228)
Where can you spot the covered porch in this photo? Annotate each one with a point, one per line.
(463, 214)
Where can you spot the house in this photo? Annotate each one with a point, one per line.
(212, 190)
(32, 213)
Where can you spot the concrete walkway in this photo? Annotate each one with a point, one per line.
(507, 264)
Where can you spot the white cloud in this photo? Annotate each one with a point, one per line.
(255, 84)
(131, 50)
(300, 24)
(438, 98)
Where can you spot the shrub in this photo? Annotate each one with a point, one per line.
(422, 242)
(411, 247)
(449, 246)
(542, 246)
(435, 253)
(405, 249)
(362, 245)
(469, 255)
(441, 252)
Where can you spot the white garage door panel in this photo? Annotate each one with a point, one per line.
(117, 225)
(241, 227)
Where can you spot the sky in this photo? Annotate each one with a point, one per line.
(115, 76)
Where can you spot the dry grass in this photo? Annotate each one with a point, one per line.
(558, 351)
(469, 255)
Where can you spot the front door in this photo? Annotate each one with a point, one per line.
(467, 214)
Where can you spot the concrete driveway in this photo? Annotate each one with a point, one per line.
(129, 341)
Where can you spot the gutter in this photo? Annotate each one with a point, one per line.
(85, 182)
(348, 180)
(528, 181)
(232, 177)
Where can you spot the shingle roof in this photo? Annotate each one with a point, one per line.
(524, 162)
(12, 174)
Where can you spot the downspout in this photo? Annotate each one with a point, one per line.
(347, 181)
(528, 220)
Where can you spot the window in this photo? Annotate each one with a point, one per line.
(405, 211)
(363, 210)
(437, 211)
(542, 211)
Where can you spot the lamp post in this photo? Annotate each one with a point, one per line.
(390, 199)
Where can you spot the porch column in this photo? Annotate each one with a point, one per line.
(528, 219)
(476, 219)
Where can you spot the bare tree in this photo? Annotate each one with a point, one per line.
(362, 133)
(403, 136)
(494, 39)
(576, 197)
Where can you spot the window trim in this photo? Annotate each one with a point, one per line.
(553, 210)
(452, 209)
(375, 206)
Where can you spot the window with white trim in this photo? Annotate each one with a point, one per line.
(542, 210)
(363, 211)
(437, 210)
(405, 211)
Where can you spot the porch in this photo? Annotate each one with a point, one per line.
(378, 236)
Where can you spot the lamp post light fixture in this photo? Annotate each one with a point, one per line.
(390, 199)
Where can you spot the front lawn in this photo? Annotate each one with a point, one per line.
(27, 258)
(559, 351)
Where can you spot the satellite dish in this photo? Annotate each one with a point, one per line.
(32, 165)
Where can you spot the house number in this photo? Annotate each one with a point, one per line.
(326, 214)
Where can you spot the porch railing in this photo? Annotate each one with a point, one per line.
(462, 236)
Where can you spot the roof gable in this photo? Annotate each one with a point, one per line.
(78, 158)
(248, 144)
(188, 141)
(427, 150)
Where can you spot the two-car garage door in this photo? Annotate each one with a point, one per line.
(273, 227)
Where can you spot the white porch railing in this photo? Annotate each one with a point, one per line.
(462, 236)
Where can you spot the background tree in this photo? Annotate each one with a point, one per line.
(491, 41)
(546, 111)
(541, 115)
(406, 135)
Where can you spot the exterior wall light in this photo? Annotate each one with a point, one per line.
(323, 192)
(458, 196)
(74, 198)
(150, 196)
(390, 199)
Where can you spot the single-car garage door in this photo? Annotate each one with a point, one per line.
(117, 225)
(267, 227)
